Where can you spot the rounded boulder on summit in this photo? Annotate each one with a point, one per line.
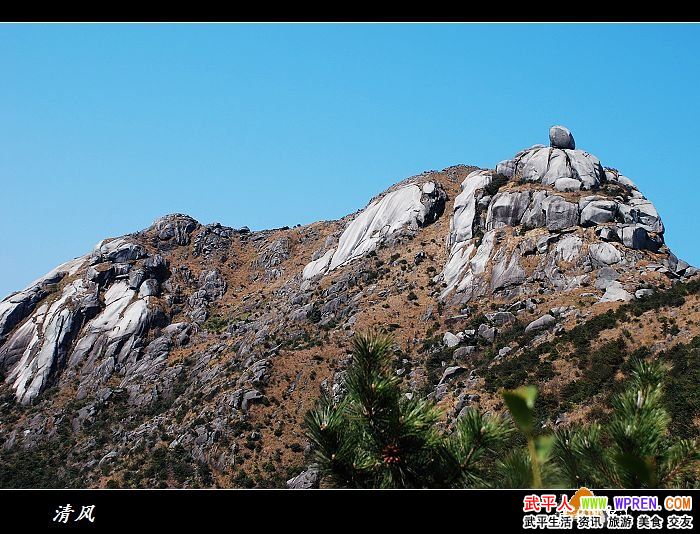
(561, 137)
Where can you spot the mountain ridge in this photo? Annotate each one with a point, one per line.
(203, 345)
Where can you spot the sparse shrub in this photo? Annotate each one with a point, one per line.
(215, 323)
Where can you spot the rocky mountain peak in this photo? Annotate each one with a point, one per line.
(559, 165)
(571, 214)
(192, 334)
(176, 227)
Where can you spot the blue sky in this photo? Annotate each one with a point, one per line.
(104, 128)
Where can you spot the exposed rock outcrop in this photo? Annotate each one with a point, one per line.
(547, 165)
(174, 229)
(543, 188)
(411, 206)
(16, 307)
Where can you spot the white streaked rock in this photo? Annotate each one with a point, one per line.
(464, 211)
(462, 263)
(465, 281)
(456, 264)
(410, 206)
(318, 266)
(17, 306)
(385, 216)
(54, 329)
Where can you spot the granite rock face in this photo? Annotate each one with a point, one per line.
(557, 188)
(89, 319)
(411, 206)
(547, 165)
(16, 307)
(507, 209)
(175, 229)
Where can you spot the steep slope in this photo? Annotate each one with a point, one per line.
(187, 354)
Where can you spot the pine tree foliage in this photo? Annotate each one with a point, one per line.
(515, 471)
(634, 449)
(378, 437)
(477, 438)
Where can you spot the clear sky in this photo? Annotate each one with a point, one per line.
(104, 128)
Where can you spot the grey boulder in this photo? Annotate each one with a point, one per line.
(500, 318)
(451, 372)
(605, 277)
(463, 352)
(560, 214)
(487, 333)
(615, 293)
(598, 212)
(636, 237)
(450, 339)
(507, 209)
(540, 324)
(604, 253)
(561, 137)
(176, 227)
(534, 216)
(149, 288)
(607, 233)
(641, 212)
(642, 293)
(308, 479)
